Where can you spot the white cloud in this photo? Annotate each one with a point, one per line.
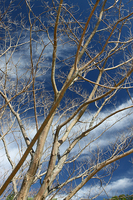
(113, 128)
(120, 186)
(102, 142)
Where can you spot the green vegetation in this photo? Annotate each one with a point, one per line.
(122, 197)
(11, 196)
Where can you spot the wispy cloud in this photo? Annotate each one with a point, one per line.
(117, 187)
(115, 128)
(120, 186)
(102, 142)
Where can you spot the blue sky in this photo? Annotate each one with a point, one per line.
(122, 179)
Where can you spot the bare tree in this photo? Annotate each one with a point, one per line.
(60, 69)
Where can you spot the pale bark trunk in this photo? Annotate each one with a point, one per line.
(30, 175)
